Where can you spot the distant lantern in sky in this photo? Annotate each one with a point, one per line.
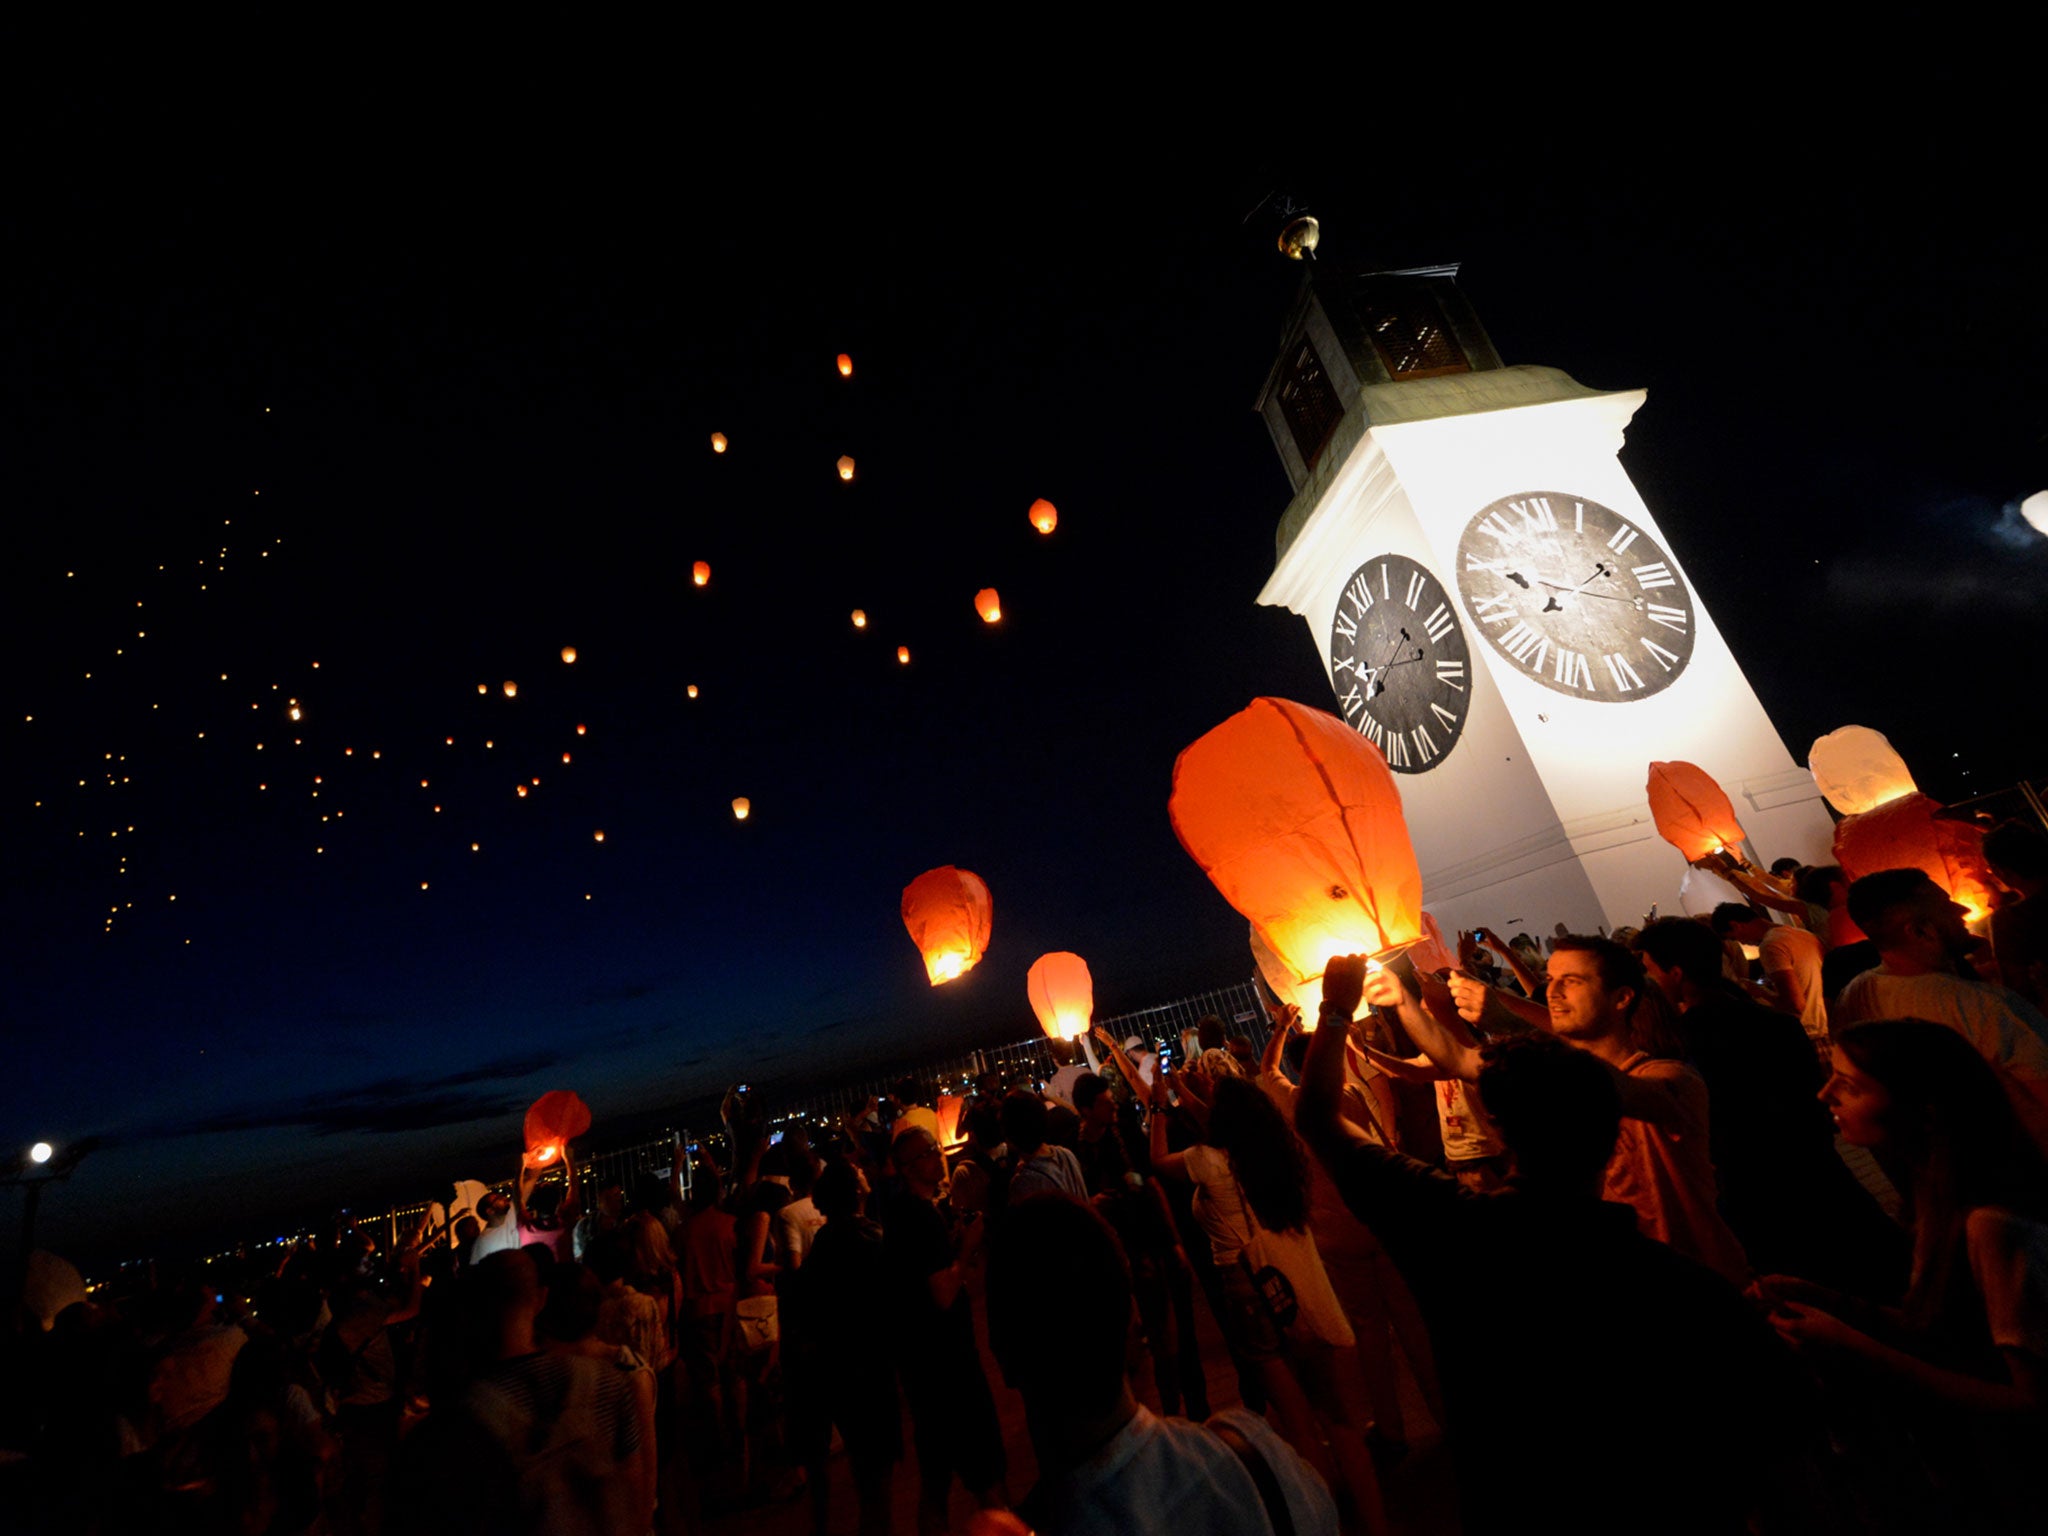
(1692, 812)
(741, 807)
(1296, 820)
(483, 687)
(860, 618)
(511, 690)
(846, 466)
(845, 366)
(948, 913)
(1044, 515)
(522, 791)
(903, 654)
(569, 654)
(565, 757)
(691, 690)
(988, 605)
(579, 730)
(700, 573)
(1062, 994)
(718, 442)
(598, 836)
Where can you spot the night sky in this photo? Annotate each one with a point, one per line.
(446, 404)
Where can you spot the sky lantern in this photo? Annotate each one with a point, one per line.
(700, 573)
(1857, 770)
(691, 690)
(1692, 813)
(846, 466)
(555, 1120)
(845, 366)
(511, 690)
(1281, 981)
(950, 1107)
(1062, 994)
(860, 618)
(1909, 833)
(599, 836)
(718, 442)
(741, 807)
(580, 730)
(1296, 820)
(948, 913)
(988, 605)
(903, 654)
(1044, 515)
(569, 654)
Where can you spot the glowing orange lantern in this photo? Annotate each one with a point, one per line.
(860, 618)
(1062, 994)
(1044, 515)
(579, 730)
(691, 690)
(903, 654)
(740, 807)
(718, 442)
(511, 690)
(522, 791)
(949, 1110)
(1691, 812)
(845, 366)
(1906, 833)
(1857, 770)
(1296, 820)
(569, 654)
(988, 605)
(555, 1120)
(1281, 981)
(700, 573)
(846, 467)
(1432, 954)
(948, 913)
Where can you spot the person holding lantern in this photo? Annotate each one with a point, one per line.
(1587, 1370)
(1600, 1002)
(1925, 972)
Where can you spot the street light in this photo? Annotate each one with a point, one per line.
(40, 1152)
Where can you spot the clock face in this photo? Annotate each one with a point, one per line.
(1576, 596)
(1400, 664)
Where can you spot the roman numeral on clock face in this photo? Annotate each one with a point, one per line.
(1360, 593)
(1526, 645)
(1451, 674)
(1497, 609)
(1665, 659)
(1425, 746)
(1535, 514)
(1372, 730)
(1345, 625)
(1351, 699)
(1396, 748)
(1623, 537)
(1502, 530)
(1652, 576)
(1571, 670)
(1416, 582)
(1670, 618)
(1444, 717)
(1474, 563)
(1626, 679)
(1438, 624)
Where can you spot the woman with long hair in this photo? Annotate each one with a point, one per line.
(1282, 1319)
(1966, 1355)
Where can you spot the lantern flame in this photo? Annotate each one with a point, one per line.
(1044, 515)
(700, 573)
(988, 605)
(1692, 811)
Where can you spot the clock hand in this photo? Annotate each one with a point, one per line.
(1606, 597)
(1382, 667)
(1519, 579)
(1405, 661)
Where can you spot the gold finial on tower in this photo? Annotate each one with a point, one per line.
(1299, 237)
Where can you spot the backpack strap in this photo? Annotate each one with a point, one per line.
(1261, 1472)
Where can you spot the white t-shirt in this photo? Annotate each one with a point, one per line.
(1224, 1214)
(1172, 1475)
(795, 1225)
(2005, 1028)
(1467, 1132)
(1786, 948)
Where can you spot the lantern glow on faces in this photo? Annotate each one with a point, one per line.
(948, 914)
(1044, 515)
(1692, 813)
(700, 573)
(1062, 994)
(741, 807)
(846, 467)
(1296, 820)
(1858, 770)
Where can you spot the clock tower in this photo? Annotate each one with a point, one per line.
(1500, 612)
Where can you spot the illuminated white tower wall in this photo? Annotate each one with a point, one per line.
(1405, 436)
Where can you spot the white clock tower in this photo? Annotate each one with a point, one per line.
(1502, 614)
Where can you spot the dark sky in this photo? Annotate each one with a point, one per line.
(473, 376)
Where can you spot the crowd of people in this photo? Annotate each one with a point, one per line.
(1737, 1222)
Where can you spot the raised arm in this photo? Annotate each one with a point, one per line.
(1760, 889)
(1455, 1056)
(1114, 1054)
(1163, 1161)
(1319, 1097)
(1527, 979)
